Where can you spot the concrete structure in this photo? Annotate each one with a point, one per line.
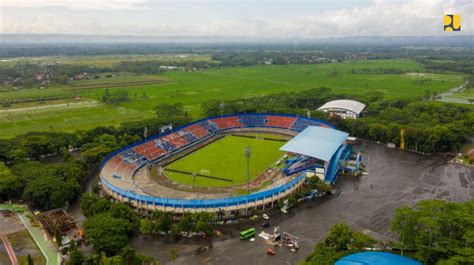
(118, 170)
(345, 108)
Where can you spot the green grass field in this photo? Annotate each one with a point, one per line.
(225, 158)
(107, 60)
(194, 88)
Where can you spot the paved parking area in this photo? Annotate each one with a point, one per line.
(395, 178)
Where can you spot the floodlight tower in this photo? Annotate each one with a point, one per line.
(248, 153)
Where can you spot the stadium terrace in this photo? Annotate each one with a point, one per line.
(137, 173)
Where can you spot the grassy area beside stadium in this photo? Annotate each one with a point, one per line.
(225, 159)
(194, 88)
(23, 244)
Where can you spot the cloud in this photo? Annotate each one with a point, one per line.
(379, 18)
(78, 4)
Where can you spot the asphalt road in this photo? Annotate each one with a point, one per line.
(395, 178)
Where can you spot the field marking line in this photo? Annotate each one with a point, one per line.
(11, 253)
(34, 238)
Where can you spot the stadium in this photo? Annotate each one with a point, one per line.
(226, 163)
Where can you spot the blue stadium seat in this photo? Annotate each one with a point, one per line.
(253, 120)
(302, 123)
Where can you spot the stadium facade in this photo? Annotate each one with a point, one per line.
(118, 169)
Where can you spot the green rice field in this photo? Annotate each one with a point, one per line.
(194, 88)
(225, 159)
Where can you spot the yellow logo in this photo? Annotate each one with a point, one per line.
(452, 22)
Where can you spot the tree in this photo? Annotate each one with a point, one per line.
(341, 241)
(146, 226)
(186, 222)
(91, 204)
(51, 191)
(175, 231)
(10, 185)
(339, 237)
(106, 233)
(220, 213)
(30, 260)
(404, 223)
(58, 236)
(76, 257)
(130, 257)
(202, 223)
(124, 211)
(172, 113)
(437, 231)
(172, 255)
(164, 222)
(49, 185)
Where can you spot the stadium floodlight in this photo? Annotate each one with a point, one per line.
(248, 153)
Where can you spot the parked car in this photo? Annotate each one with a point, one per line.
(271, 252)
(265, 216)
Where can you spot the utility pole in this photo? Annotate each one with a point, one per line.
(248, 153)
(221, 107)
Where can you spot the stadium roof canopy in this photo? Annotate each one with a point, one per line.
(316, 141)
(375, 258)
(347, 104)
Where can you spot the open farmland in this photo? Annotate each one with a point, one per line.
(107, 60)
(194, 88)
(225, 159)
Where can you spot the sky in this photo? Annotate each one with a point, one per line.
(239, 18)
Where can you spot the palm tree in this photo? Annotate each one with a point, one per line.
(220, 213)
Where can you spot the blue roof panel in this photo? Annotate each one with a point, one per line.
(376, 258)
(316, 141)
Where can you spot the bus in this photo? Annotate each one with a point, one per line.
(248, 233)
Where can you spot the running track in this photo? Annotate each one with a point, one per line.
(10, 251)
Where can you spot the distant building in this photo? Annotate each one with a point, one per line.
(376, 258)
(345, 108)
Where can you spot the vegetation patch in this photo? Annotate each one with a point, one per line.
(23, 244)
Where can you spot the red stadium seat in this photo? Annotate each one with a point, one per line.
(176, 140)
(149, 150)
(280, 121)
(227, 122)
(197, 130)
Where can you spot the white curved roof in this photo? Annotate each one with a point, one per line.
(352, 105)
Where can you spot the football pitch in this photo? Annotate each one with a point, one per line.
(224, 162)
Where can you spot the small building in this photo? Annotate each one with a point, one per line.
(345, 108)
(375, 258)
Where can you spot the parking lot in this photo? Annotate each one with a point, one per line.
(395, 178)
